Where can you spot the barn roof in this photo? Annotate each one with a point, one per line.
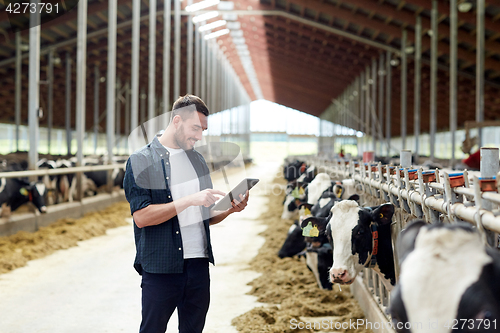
(305, 53)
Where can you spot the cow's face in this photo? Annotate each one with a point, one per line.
(447, 275)
(316, 188)
(37, 191)
(292, 201)
(348, 187)
(349, 228)
(294, 242)
(289, 207)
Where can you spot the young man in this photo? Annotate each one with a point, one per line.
(168, 186)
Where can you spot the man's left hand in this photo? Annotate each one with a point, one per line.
(238, 206)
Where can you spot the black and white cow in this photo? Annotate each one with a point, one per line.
(318, 257)
(311, 193)
(326, 202)
(322, 208)
(294, 242)
(319, 251)
(319, 260)
(293, 170)
(50, 182)
(362, 238)
(317, 187)
(293, 200)
(344, 189)
(308, 175)
(100, 177)
(449, 281)
(16, 192)
(92, 180)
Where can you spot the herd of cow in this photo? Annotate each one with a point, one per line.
(50, 190)
(449, 280)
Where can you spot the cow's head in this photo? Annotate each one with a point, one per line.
(319, 223)
(293, 200)
(345, 188)
(36, 192)
(447, 275)
(315, 189)
(349, 229)
(294, 242)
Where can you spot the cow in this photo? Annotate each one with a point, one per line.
(344, 189)
(294, 197)
(308, 175)
(16, 192)
(50, 182)
(326, 202)
(100, 178)
(293, 170)
(92, 180)
(319, 260)
(318, 185)
(300, 194)
(319, 251)
(448, 280)
(362, 238)
(294, 242)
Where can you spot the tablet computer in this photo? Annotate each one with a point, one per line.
(241, 188)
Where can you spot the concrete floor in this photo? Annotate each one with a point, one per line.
(94, 288)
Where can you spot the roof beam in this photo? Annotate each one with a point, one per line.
(388, 10)
(345, 14)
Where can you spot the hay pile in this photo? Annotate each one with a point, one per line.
(16, 250)
(289, 288)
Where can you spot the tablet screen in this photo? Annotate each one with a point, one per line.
(241, 188)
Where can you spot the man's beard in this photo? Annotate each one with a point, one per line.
(180, 139)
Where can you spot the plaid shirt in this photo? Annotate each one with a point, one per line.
(147, 181)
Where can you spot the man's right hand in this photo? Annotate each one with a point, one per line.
(205, 198)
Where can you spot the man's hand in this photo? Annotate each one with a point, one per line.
(238, 206)
(205, 198)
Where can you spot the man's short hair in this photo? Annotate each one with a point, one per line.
(180, 106)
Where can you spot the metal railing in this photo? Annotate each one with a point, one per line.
(61, 171)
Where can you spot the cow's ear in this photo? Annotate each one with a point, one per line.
(319, 222)
(354, 197)
(383, 214)
(338, 190)
(305, 204)
(328, 232)
(327, 195)
(406, 240)
(311, 219)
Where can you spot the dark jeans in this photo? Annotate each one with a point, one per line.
(189, 292)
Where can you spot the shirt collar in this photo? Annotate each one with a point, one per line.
(158, 148)
(161, 150)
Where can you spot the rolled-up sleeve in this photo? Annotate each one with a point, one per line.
(137, 196)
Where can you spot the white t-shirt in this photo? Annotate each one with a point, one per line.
(184, 181)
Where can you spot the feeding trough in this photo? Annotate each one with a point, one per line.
(457, 179)
(429, 176)
(412, 174)
(488, 184)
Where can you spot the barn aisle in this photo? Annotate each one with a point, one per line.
(94, 288)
